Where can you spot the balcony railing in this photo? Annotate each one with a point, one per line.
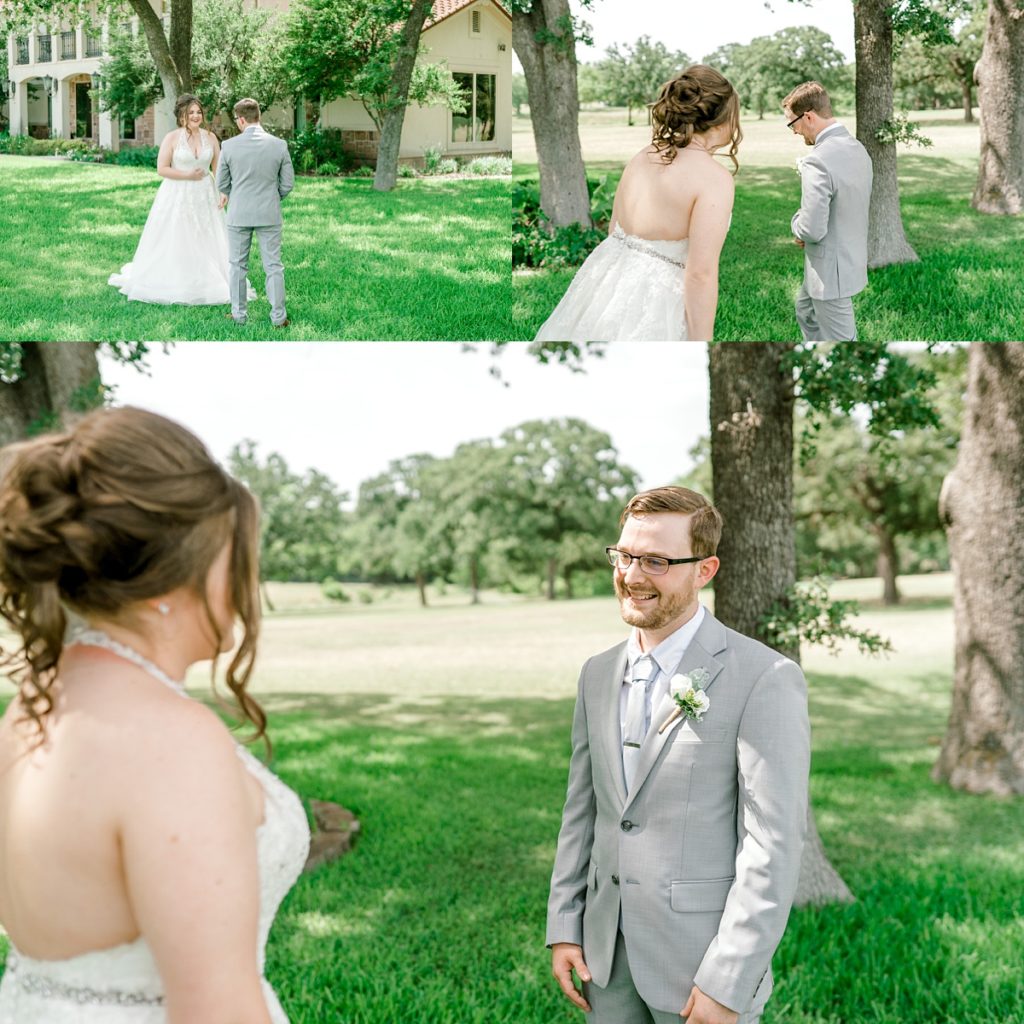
(68, 50)
(93, 45)
(21, 50)
(44, 49)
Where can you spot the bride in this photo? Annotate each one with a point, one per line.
(182, 256)
(145, 852)
(655, 277)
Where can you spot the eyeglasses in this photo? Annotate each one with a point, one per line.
(789, 124)
(652, 565)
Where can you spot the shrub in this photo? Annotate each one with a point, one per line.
(535, 243)
(489, 165)
(334, 591)
(363, 171)
(311, 148)
(447, 166)
(366, 596)
(327, 169)
(137, 156)
(407, 171)
(431, 158)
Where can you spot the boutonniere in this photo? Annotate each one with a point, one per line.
(691, 700)
(800, 164)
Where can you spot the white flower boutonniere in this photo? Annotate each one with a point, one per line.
(691, 700)
(800, 164)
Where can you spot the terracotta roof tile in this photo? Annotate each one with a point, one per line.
(446, 8)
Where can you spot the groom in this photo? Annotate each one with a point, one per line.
(255, 170)
(831, 225)
(679, 851)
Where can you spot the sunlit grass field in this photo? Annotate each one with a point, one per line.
(428, 261)
(447, 731)
(963, 288)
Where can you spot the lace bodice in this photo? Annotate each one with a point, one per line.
(183, 159)
(121, 985)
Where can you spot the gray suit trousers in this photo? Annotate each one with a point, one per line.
(825, 319)
(620, 1003)
(239, 245)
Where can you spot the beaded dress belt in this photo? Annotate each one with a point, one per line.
(34, 984)
(632, 243)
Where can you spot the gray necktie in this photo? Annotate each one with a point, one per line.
(635, 729)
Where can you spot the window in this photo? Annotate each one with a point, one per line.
(476, 23)
(21, 46)
(68, 51)
(44, 48)
(127, 128)
(93, 45)
(477, 123)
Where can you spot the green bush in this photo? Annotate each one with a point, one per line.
(536, 244)
(366, 597)
(363, 171)
(407, 171)
(488, 165)
(431, 158)
(25, 145)
(334, 591)
(328, 169)
(311, 148)
(447, 166)
(137, 156)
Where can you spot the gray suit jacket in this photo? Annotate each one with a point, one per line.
(255, 172)
(703, 855)
(833, 216)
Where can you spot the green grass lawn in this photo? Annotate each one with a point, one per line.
(964, 287)
(428, 261)
(447, 731)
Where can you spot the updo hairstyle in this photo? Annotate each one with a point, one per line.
(698, 99)
(124, 507)
(181, 105)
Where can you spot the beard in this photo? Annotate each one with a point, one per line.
(654, 614)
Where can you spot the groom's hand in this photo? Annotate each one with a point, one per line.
(702, 1009)
(564, 957)
(223, 201)
(800, 242)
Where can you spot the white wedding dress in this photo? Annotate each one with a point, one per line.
(628, 289)
(121, 985)
(182, 256)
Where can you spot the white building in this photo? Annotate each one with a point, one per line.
(53, 71)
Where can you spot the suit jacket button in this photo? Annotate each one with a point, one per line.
(615, 881)
(626, 826)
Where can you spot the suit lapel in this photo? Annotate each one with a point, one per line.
(709, 641)
(611, 727)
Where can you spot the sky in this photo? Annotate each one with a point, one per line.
(349, 408)
(699, 28)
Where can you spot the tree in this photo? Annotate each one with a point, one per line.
(520, 94)
(237, 51)
(983, 750)
(301, 516)
(367, 50)
(768, 67)
(171, 51)
(544, 34)
(631, 76)
(1000, 78)
(753, 389)
(563, 490)
(44, 385)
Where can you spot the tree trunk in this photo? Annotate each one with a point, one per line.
(552, 576)
(981, 508)
(888, 564)
(1000, 78)
(266, 596)
(55, 377)
(872, 22)
(550, 69)
(968, 97)
(567, 578)
(174, 77)
(474, 579)
(390, 140)
(752, 473)
(421, 586)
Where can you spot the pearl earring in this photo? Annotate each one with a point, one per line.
(163, 608)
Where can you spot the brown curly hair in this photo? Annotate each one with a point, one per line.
(696, 100)
(181, 105)
(125, 506)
